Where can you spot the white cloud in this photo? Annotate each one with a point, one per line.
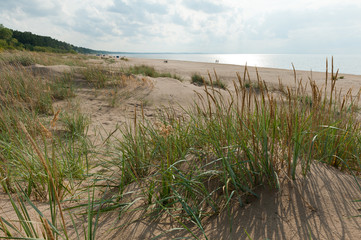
(232, 26)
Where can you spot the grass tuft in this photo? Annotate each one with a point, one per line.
(198, 80)
(150, 72)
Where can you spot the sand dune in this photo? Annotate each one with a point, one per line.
(318, 206)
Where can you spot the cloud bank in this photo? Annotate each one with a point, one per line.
(209, 26)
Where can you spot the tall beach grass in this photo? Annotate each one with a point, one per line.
(198, 162)
(188, 164)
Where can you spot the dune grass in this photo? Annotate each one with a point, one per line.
(188, 165)
(36, 162)
(105, 77)
(225, 146)
(19, 87)
(26, 58)
(198, 80)
(150, 72)
(26, 99)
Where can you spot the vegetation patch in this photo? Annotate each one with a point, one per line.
(194, 165)
(198, 80)
(150, 72)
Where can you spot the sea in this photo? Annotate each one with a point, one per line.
(346, 63)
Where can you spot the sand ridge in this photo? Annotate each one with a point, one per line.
(318, 206)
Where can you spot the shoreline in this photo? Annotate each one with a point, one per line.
(348, 64)
(227, 73)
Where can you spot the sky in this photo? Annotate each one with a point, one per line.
(202, 26)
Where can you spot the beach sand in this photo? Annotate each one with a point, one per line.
(170, 92)
(318, 206)
(271, 76)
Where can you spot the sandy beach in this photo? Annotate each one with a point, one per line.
(167, 91)
(227, 72)
(318, 206)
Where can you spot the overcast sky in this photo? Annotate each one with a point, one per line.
(207, 26)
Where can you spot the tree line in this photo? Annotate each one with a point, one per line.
(13, 39)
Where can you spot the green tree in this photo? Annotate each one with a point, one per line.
(3, 44)
(5, 33)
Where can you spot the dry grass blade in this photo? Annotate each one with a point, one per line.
(45, 131)
(45, 165)
(55, 119)
(47, 228)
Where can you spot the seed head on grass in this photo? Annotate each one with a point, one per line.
(55, 119)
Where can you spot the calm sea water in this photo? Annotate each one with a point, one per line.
(350, 64)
